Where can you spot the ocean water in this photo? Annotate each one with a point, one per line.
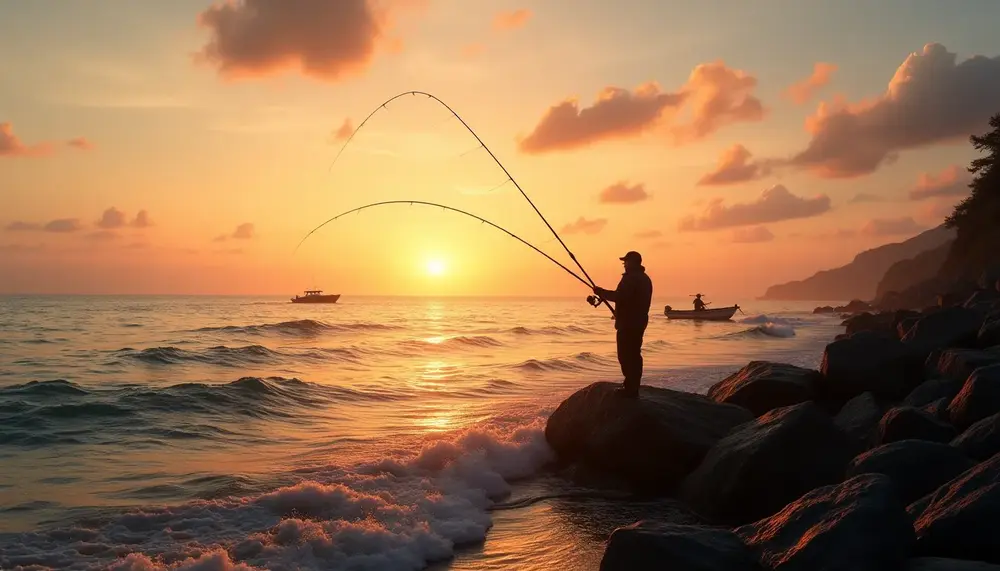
(378, 433)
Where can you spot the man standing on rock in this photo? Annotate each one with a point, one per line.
(632, 298)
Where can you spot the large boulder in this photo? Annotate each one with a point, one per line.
(866, 362)
(978, 399)
(933, 390)
(962, 518)
(762, 386)
(859, 419)
(909, 423)
(944, 564)
(916, 467)
(649, 443)
(958, 364)
(654, 546)
(950, 327)
(981, 440)
(859, 525)
(762, 465)
(870, 322)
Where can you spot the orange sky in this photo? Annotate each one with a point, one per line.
(184, 147)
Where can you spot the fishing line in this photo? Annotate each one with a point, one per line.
(589, 282)
(451, 209)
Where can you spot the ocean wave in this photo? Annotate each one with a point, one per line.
(448, 343)
(766, 330)
(579, 362)
(299, 327)
(392, 514)
(551, 330)
(40, 413)
(236, 356)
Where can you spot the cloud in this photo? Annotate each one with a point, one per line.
(752, 235)
(622, 193)
(325, 40)
(81, 143)
(773, 205)
(141, 220)
(802, 91)
(63, 225)
(584, 226)
(343, 132)
(506, 21)
(111, 219)
(12, 146)
(714, 96)
(863, 197)
(617, 113)
(718, 96)
(19, 226)
(892, 226)
(952, 181)
(648, 234)
(245, 231)
(931, 99)
(735, 166)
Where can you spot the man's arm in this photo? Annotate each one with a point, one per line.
(612, 294)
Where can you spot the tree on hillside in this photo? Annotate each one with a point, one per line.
(977, 218)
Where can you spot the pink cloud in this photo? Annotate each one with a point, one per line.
(112, 218)
(141, 220)
(752, 235)
(892, 226)
(323, 39)
(12, 146)
(952, 181)
(718, 96)
(734, 167)
(584, 226)
(623, 193)
(81, 143)
(512, 20)
(773, 205)
(802, 91)
(617, 113)
(63, 225)
(245, 231)
(930, 100)
(343, 132)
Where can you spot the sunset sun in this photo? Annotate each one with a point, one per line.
(435, 267)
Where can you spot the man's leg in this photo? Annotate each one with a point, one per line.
(621, 343)
(633, 360)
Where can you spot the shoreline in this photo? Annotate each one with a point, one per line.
(883, 458)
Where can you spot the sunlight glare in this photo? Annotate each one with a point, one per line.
(435, 267)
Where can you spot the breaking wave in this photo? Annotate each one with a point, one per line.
(300, 327)
(397, 513)
(579, 362)
(236, 356)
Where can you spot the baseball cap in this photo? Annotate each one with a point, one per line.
(632, 255)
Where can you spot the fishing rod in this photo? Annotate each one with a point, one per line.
(451, 209)
(590, 282)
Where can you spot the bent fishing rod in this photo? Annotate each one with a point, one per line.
(450, 209)
(590, 282)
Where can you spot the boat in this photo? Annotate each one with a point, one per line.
(717, 314)
(316, 296)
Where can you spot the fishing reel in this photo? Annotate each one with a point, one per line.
(593, 300)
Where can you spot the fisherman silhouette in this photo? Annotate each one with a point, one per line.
(699, 305)
(632, 298)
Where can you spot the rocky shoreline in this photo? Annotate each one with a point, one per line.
(887, 457)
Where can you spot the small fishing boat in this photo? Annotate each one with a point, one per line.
(717, 314)
(316, 296)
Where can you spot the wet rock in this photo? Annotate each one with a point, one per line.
(859, 419)
(978, 399)
(762, 465)
(824, 309)
(951, 327)
(903, 326)
(989, 333)
(938, 409)
(762, 386)
(909, 423)
(651, 442)
(962, 518)
(942, 564)
(981, 440)
(855, 306)
(654, 546)
(933, 390)
(982, 299)
(859, 525)
(871, 322)
(989, 278)
(916, 467)
(958, 364)
(866, 362)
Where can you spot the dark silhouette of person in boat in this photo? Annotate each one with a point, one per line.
(699, 305)
(631, 298)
